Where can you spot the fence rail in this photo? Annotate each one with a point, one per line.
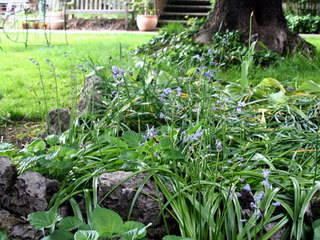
(303, 8)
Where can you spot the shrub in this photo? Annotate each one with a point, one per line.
(304, 24)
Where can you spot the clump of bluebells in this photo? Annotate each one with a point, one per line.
(180, 48)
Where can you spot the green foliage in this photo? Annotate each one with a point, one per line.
(303, 24)
(170, 47)
(202, 141)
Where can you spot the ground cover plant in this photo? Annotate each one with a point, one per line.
(23, 94)
(235, 156)
(239, 158)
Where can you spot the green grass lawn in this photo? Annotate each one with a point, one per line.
(22, 95)
(292, 70)
(21, 92)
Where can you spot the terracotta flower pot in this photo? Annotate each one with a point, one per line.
(25, 25)
(55, 20)
(35, 25)
(147, 22)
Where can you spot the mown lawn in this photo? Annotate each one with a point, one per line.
(24, 97)
(21, 92)
(292, 70)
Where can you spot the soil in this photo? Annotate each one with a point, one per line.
(20, 133)
(96, 24)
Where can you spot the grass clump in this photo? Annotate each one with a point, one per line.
(24, 97)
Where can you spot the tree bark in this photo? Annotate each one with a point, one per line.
(264, 19)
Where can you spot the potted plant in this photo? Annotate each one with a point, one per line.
(147, 20)
(35, 25)
(25, 25)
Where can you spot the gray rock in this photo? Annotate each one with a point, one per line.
(278, 235)
(146, 209)
(17, 227)
(30, 193)
(58, 121)
(91, 95)
(8, 173)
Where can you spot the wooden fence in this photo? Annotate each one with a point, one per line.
(303, 8)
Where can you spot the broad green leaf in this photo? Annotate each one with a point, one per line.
(3, 236)
(106, 222)
(69, 223)
(36, 146)
(271, 82)
(43, 219)
(52, 140)
(86, 235)
(59, 235)
(278, 97)
(133, 230)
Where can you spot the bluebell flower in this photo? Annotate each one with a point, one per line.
(219, 146)
(276, 204)
(162, 116)
(195, 136)
(253, 205)
(266, 183)
(265, 173)
(247, 188)
(164, 94)
(241, 104)
(150, 134)
(258, 212)
(167, 91)
(243, 220)
(178, 90)
(239, 110)
(214, 108)
(258, 196)
(117, 72)
(209, 74)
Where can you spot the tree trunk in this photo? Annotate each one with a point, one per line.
(268, 24)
